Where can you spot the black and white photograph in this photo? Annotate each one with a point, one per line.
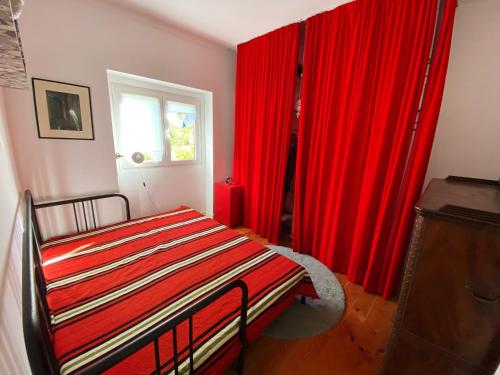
(63, 110)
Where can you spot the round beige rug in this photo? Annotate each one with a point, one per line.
(316, 316)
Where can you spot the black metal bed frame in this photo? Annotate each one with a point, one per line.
(36, 317)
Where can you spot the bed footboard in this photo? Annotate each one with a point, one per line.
(152, 335)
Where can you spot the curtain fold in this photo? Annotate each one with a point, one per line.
(265, 86)
(364, 71)
(420, 152)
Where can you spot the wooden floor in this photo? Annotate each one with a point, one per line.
(355, 346)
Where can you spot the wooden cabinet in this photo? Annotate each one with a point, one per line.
(448, 319)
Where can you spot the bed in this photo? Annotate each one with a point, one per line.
(173, 293)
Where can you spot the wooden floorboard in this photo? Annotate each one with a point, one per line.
(355, 346)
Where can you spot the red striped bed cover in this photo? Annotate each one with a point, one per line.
(106, 286)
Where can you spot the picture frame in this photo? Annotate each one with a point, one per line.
(63, 110)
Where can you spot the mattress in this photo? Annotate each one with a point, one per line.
(105, 287)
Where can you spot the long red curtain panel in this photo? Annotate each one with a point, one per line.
(364, 71)
(265, 87)
(228, 203)
(420, 153)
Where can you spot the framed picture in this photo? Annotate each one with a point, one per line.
(63, 110)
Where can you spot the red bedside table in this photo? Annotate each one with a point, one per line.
(228, 203)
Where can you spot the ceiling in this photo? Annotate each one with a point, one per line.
(230, 22)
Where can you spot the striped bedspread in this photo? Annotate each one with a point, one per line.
(106, 286)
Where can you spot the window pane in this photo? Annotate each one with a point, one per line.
(181, 120)
(140, 126)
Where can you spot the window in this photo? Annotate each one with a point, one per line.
(140, 126)
(155, 128)
(181, 119)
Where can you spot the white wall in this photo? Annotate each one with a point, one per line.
(12, 354)
(76, 41)
(467, 139)
(9, 190)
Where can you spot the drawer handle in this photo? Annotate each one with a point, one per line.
(480, 298)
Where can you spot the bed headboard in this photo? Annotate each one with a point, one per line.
(84, 210)
(36, 316)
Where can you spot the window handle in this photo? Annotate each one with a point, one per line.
(118, 155)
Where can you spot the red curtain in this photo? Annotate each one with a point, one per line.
(420, 153)
(364, 71)
(265, 87)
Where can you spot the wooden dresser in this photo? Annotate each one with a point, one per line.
(448, 318)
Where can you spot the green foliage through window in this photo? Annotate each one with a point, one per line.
(181, 119)
(182, 143)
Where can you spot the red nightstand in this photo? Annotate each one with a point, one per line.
(228, 203)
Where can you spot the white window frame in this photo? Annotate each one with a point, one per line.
(121, 85)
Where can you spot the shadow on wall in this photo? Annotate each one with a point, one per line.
(56, 221)
(13, 359)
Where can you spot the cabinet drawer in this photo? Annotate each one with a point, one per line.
(452, 300)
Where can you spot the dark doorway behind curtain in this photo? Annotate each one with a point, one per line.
(265, 87)
(364, 69)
